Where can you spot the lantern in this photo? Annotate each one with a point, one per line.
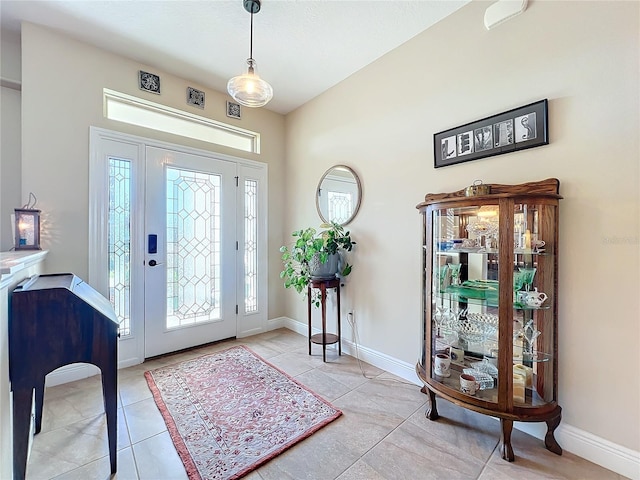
(27, 229)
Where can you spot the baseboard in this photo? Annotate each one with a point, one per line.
(383, 361)
(129, 362)
(70, 373)
(78, 371)
(389, 364)
(275, 323)
(600, 451)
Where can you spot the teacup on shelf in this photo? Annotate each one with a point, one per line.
(468, 384)
(535, 298)
(441, 365)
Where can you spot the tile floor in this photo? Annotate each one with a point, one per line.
(382, 435)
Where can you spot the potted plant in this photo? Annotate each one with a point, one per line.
(315, 254)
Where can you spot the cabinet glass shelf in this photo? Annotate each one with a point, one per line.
(531, 397)
(492, 251)
(444, 297)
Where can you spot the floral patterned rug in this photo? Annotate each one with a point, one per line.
(231, 411)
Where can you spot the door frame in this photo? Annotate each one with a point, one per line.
(247, 323)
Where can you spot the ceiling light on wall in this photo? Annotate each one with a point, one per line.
(249, 89)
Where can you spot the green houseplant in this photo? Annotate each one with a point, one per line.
(312, 252)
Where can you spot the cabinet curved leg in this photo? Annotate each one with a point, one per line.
(549, 440)
(505, 439)
(432, 409)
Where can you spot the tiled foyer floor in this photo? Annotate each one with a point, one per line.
(382, 435)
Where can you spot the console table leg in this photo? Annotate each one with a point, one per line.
(21, 421)
(39, 388)
(110, 396)
(549, 440)
(505, 440)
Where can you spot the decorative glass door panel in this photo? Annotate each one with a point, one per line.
(465, 308)
(193, 247)
(250, 246)
(190, 280)
(533, 301)
(119, 241)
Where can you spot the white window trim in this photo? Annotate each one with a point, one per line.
(182, 123)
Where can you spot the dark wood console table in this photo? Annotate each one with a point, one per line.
(57, 320)
(324, 338)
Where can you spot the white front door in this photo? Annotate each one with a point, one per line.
(205, 217)
(190, 277)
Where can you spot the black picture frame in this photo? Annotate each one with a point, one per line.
(149, 82)
(517, 129)
(195, 97)
(234, 110)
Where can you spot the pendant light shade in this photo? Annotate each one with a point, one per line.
(249, 89)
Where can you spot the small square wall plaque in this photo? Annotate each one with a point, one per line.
(149, 82)
(233, 110)
(195, 97)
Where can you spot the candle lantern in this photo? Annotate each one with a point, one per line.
(27, 229)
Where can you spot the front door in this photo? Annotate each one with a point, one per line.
(177, 243)
(190, 274)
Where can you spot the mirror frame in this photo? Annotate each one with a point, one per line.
(358, 187)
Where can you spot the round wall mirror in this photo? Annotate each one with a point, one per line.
(339, 194)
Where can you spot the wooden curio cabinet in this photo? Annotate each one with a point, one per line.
(490, 295)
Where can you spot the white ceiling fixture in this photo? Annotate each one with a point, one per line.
(249, 89)
(503, 10)
(304, 48)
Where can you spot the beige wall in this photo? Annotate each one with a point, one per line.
(62, 84)
(583, 57)
(10, 195)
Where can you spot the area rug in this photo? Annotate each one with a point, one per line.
(231, 411)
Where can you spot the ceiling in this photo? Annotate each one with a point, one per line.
(302, 47)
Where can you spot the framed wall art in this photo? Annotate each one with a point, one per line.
(234, 110)
(517, 129)
(195, 97)
(149, 82)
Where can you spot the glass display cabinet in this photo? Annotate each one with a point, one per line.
(490, 296)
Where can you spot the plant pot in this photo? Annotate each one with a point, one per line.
(324, 271)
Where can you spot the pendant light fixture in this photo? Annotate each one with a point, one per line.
(249, 89)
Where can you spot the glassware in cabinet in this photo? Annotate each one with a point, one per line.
(490, 303)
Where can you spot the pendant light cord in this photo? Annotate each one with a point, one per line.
(251, 61)
(251, 41)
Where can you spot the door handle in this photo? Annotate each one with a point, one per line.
(153, 263)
